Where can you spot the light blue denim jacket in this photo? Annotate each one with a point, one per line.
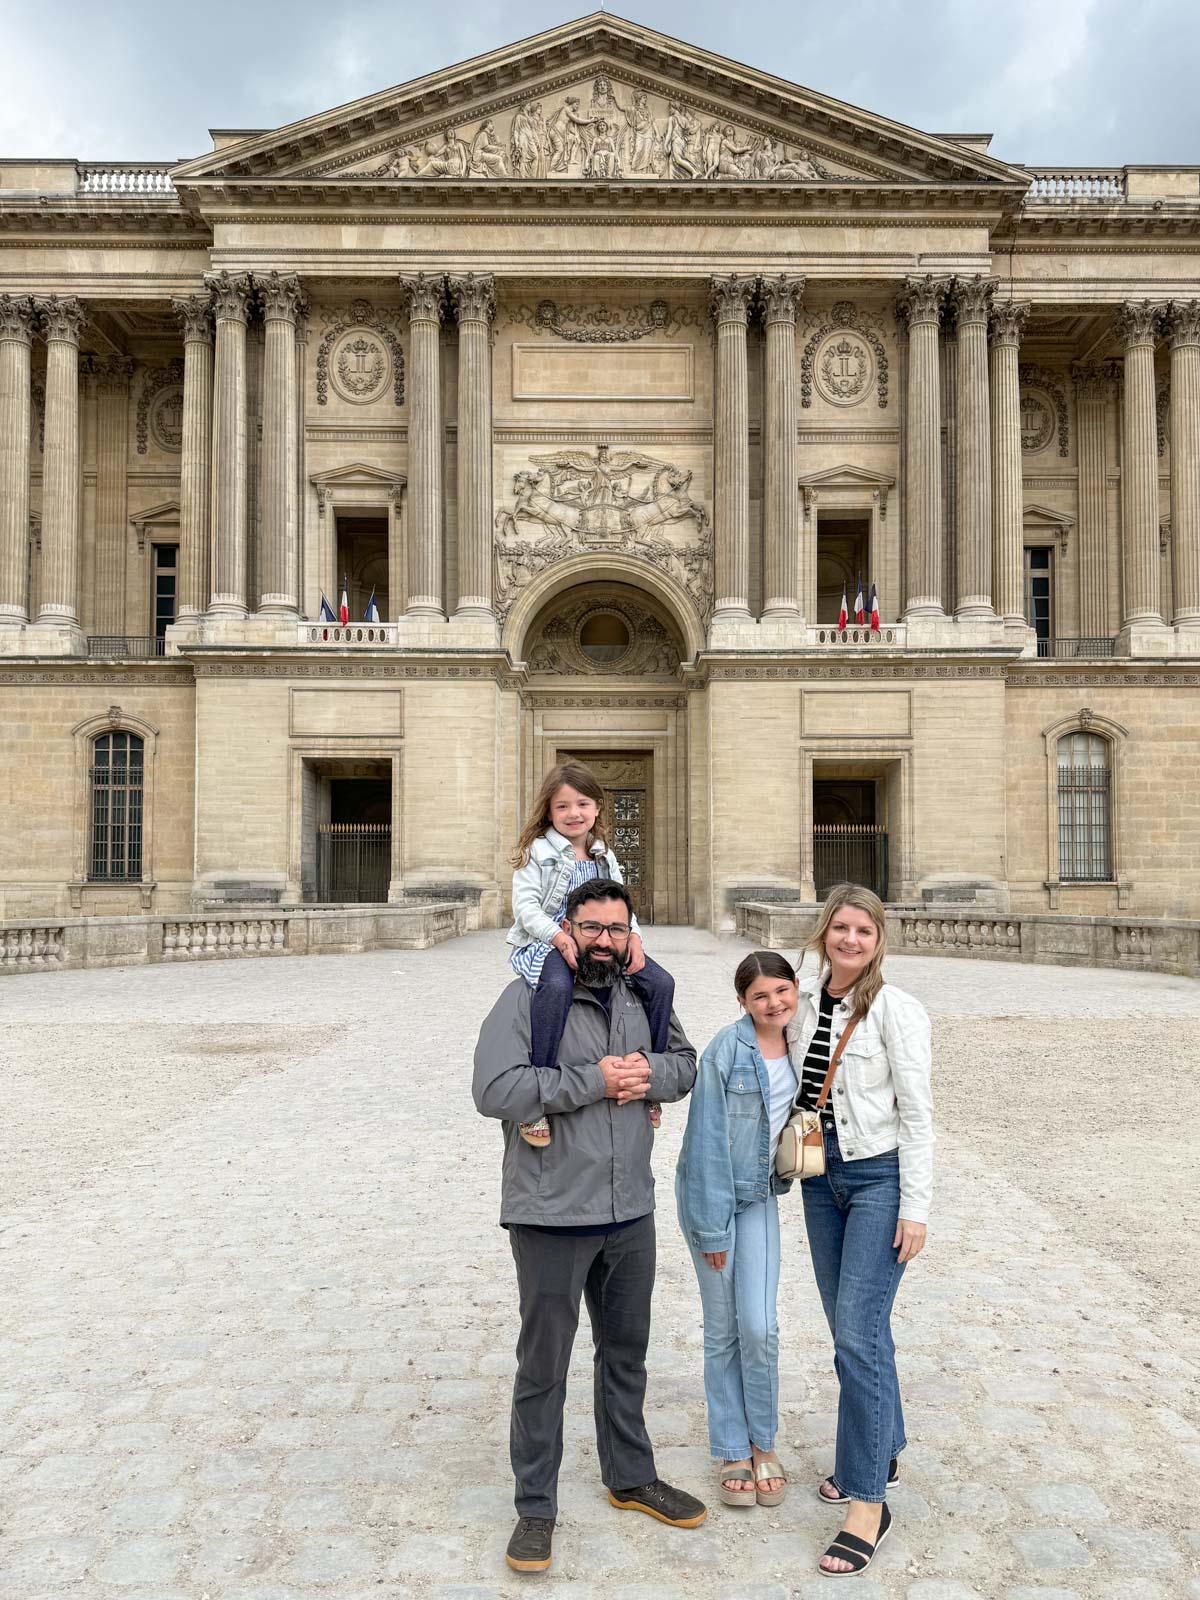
(725, 1164)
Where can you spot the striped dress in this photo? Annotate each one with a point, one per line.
(527, 962)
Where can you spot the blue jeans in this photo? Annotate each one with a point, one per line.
(850, 1213)
(653, 985)
(741, 1335)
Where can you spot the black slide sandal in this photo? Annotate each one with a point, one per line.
(840, 1499)
(859, 1552)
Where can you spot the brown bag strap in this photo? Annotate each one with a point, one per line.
(833, 1062)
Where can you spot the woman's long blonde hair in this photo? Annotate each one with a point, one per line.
(859, 899)
(578, 777)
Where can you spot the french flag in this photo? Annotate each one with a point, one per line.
(860, 615)
(874, 610)
(372, 609)
(326, 610)
(843, 616)
(344, 608)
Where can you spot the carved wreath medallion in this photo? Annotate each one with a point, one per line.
(1037, 421)
(166, 418)
(360, 367)
(844, 369)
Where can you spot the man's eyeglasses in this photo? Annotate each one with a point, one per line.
(614, 930)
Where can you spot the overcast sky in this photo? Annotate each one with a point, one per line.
(1056, 81)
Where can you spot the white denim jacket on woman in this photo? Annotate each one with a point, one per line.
(882, 1094)
(539, 886)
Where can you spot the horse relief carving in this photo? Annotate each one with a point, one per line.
(602, 135)
(585, 501)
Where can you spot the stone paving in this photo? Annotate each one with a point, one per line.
(264, 1350)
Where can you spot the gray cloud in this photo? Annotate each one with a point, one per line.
(1084, 81)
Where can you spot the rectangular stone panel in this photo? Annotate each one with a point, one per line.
(350, 713)
(856, 714)
(591, 720)
(590, 372)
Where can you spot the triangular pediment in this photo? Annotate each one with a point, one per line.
(846, 477)
(1047, 517)
(359, 474)
(600, 100)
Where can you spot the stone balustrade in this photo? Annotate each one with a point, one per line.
(892, 633)
(114, 178)
(303, 930)
(348, 633)
(1144, 944)
(1076, 183)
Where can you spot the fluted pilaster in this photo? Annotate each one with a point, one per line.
(474, 300)
(1183, 325)
(730, 307)
(63, 320)
(1138, 325)
(231, 309)
(921, 307)
(973, 479)
(111, 381)
(426, 566)
(1008, 509)
(781, 518)
(17, 318)
(1093, 382)
(280, 299)
(195, 470)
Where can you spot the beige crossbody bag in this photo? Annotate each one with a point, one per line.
(801, 1151)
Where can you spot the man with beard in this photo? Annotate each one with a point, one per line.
(580, 1217)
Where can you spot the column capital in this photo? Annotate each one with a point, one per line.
(729, 298)
(1093, 380)
(1181, 320)
(425, 297)
(780, 297)
(230, 295)
(1006, 322)
(921, 300)
(18, 317)
(1138, 322)
(62, 317)
(195, 313)
(110, 374)
(279, 296)
(972, 298)
(473, 297)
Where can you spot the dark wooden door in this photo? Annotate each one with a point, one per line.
(625, 778)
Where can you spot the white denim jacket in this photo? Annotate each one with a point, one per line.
(538, 886)
(882, 1094)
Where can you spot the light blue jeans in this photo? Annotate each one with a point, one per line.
(741, 1335)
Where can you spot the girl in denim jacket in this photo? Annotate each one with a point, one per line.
(725, 1191)
(560, 847)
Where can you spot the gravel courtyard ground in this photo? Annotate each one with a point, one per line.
(256, 1318)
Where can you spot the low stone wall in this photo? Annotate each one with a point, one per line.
(1141, 944)
(300, 931)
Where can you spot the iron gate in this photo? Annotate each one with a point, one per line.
(850, 852)
(354, 861)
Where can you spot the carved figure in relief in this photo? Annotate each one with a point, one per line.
(678, 138)
(529, 144)
(487, 154)
(645, 147)
(605, 107)
(605, 162)
(567, 134)
(730, 156)
(451, 160)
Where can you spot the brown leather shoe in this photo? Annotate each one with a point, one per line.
(660, 1500)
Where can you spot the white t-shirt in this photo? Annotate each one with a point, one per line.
(782, 1089)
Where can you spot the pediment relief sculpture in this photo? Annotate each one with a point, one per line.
(599, 130)
(615, 499)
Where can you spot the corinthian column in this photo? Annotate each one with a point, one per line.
(781, 521)
(1138, 325)
(231, 308)
(195, 469)
(111, 380)
(17, 315)
(64, 320)
(1183, 324)
(425, 299)
(973, 479)
(280, 299)
(730, 307)
(1093, 385)
(921, 306)
(474, 301)
(1008, 508)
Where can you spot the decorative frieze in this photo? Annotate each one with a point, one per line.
(603, 324)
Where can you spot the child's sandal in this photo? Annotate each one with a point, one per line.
(655, 1110)
(536, 1133)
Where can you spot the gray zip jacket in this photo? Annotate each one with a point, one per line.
(596, 1167)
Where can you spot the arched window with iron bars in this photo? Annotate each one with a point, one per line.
(117, 788)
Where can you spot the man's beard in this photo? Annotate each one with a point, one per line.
(596, 974)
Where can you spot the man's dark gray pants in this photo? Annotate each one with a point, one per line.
(614, 1273)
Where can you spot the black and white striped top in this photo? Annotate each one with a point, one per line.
(816, 1062)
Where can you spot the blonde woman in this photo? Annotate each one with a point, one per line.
(866, 1215)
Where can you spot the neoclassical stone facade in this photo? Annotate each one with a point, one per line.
(602, 365)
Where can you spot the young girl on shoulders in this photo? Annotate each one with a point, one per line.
(561, 846)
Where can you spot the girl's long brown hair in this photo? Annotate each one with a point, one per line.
(578, 777)
(859, 899)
